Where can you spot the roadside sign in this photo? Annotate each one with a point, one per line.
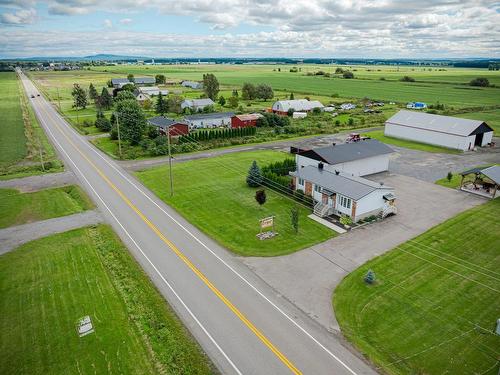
(267, 222)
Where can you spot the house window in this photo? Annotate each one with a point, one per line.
(301, 181)
(317, 188)
(344, 202)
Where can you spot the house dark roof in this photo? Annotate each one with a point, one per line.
(350, 186)
(444, 124)
(164, 122)
(348, 151)
(214, 115)
(138, 80)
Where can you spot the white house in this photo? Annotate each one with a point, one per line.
(359, 158)
(452, 132)
(337, 193)
(197, 104)
(192, 84)
(209, 120)
(300, 105)
(347, 106)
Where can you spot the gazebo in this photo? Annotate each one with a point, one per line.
(485, 182)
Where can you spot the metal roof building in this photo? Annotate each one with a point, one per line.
(359, 158)
(446, 131)
(282, 106)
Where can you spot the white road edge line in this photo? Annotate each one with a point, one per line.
(217, 256)
(142, 252)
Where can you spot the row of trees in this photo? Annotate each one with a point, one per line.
(81, 98)
(207, 135)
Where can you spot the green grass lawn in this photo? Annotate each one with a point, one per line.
(491, 117)
(212, 194)
(21, 208)
(47, 285)
(435, 303)
(13, 140)
(379, 134)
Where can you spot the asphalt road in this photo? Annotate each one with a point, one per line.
(242, 324)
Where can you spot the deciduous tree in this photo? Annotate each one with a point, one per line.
(93, 92)
(248, 91)
(210, 86)
(264, 92)
(132, 120)
(161, 106)
(260, 197)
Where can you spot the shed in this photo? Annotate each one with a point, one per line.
(174, 127)
(486, 181)
(452, 132)
(245, 121)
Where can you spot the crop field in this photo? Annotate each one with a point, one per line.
(448, 87)
(21, 208)
(435, 302)
(22, 140)
(49, 284)
(13, 140)
(232, 217)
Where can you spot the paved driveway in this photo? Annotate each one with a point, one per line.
(307, 278)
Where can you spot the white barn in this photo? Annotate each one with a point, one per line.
(339, 194)
(209, 120)
(300, 105)
(358, 159)
(452, 132)
(197, 104)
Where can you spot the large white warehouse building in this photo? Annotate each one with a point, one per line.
(446, 131)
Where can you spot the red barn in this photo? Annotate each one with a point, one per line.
(245, 121)
(175, 127)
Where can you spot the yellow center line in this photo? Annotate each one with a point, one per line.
(181, 255)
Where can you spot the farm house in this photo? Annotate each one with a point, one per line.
(359, 158)
(451, 132)
(337, 194)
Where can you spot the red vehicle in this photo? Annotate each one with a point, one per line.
(355, 137)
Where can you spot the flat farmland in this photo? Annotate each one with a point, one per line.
(449, 86)
(13, 140)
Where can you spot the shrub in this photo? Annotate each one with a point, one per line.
(370, 277)
(345, 220)
(348, 75)
(480, 82)
(407, 79)
(294, 218)
(316, 111)
(449, 176)
(260, 196)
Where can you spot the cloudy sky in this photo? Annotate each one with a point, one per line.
(245, 28)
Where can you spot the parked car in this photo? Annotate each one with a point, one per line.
(32, 95)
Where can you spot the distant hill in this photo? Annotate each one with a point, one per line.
(109, 57)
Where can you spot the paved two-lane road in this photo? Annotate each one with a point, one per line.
(239, 321)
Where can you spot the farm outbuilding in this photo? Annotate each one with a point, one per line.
(245, 121)
(174, 127)
(209, 120)
(302, 105)
(356, 159)
(451, 132)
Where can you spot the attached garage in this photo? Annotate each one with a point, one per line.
(452, 132)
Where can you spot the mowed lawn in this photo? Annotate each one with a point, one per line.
(47, 285)
(12, 138)
(212, 194)
(379, 134)
(435, 303)
(21, 208)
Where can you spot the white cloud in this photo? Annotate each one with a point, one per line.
(108, 23)
(126, 21)
(374, 28)
(19, 18)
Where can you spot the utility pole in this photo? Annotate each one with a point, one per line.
(170, 163)
(41, 153)
(59, 99)
(119, 137)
